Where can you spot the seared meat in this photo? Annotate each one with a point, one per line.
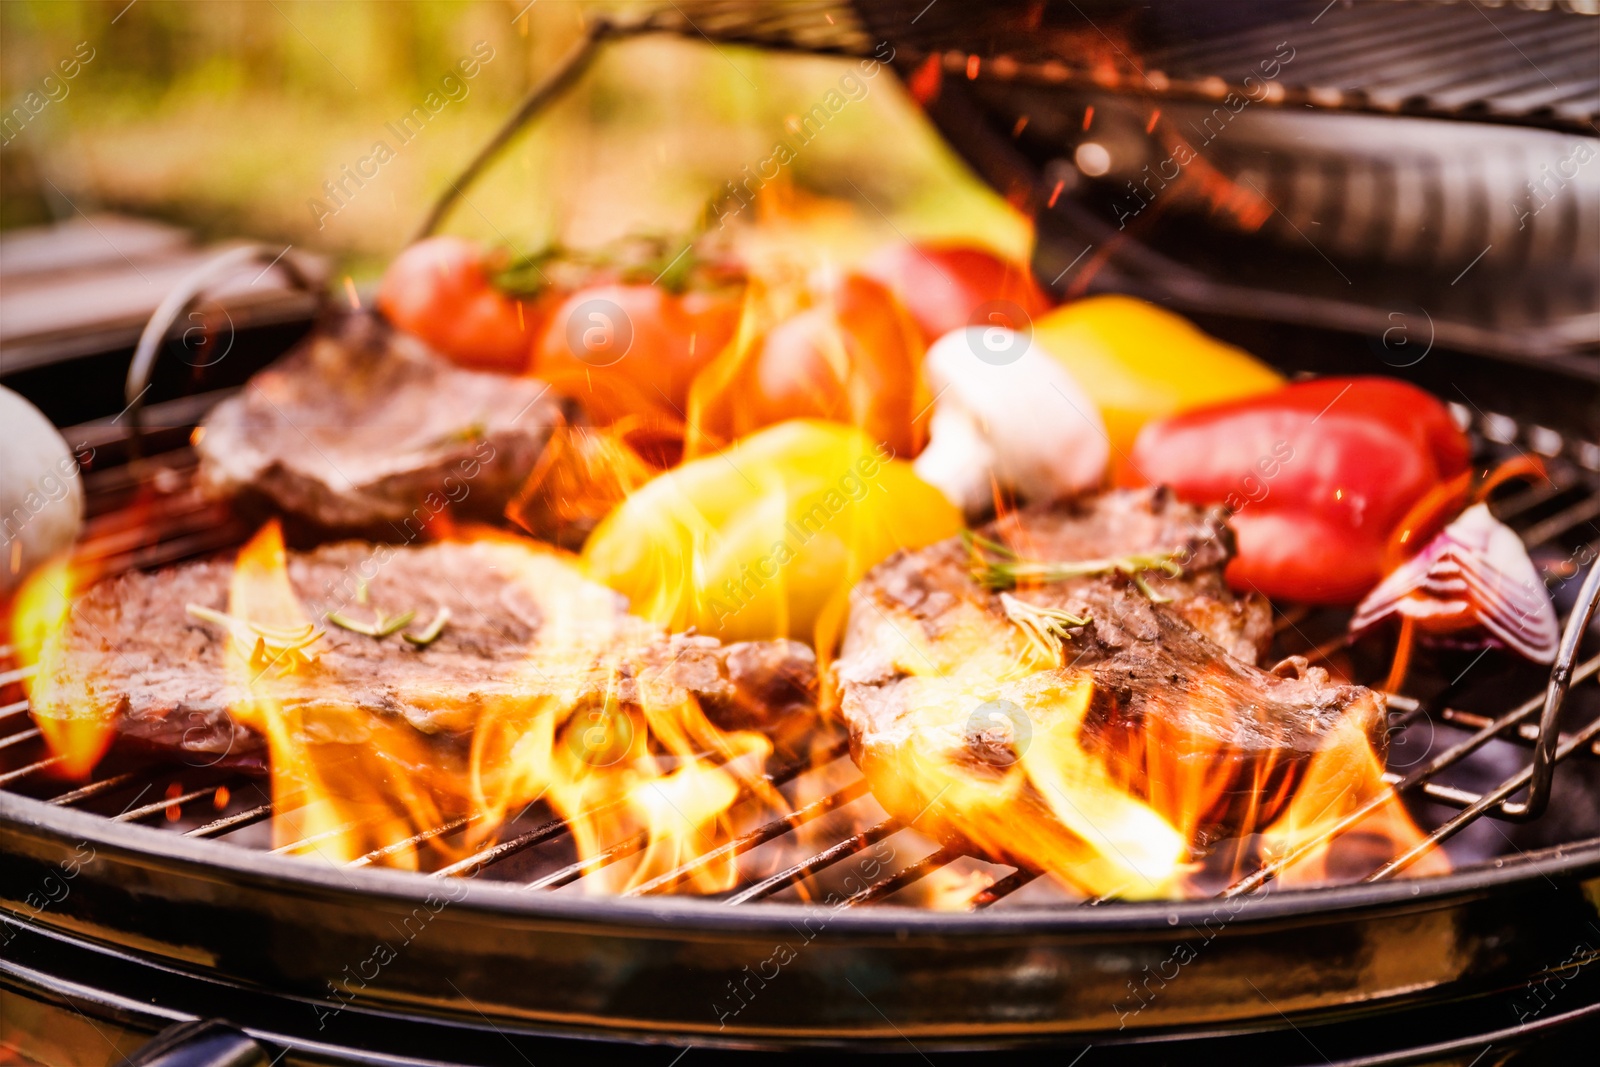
(364, 431)
(525, 631)
(942, 690)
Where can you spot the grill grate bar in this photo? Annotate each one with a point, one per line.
(248, 817)
(415, 839)
(1422, 773)
(326, 835)
(505, 849)
(1540, 493)
(620, 850)
(826, 858)
(19, 738)
(899, 880)
(8, 710)
(555, 827)
(759, 836)
(19, 674)
(147, 810)
(1494, 798)
(1584, 510)
(587, 866)
(1003, 888)
(32, 768)
(94, 789)
(1526, 733)
(1449, 794)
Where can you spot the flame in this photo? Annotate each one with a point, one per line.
(1000, 759)
(75, 731)
(1039, 797)
(952, 888)
(581, 475)
(340, 786)
(814, 339)
(350, 784)
(1344, 776)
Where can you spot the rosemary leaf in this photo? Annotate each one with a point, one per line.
(431, 633)
(345, 622)
(387, 626)
(1047, 629)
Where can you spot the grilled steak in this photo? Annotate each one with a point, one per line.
(525, 629)
(363, 431)
(940, 686)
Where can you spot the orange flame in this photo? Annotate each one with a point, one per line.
(77, 733)
(350, 784)
(812, 342)
(1165, 807)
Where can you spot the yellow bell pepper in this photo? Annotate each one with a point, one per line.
(1140, 362)
(765, 538)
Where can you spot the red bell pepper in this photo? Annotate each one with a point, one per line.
(1317, 474)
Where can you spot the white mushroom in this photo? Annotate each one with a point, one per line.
(41, 500)
(1007, 414)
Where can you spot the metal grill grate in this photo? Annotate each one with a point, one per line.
(150, 514)
(1530, 64)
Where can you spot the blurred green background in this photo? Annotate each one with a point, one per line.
(227, 118)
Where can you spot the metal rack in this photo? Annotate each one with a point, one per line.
(148, 513)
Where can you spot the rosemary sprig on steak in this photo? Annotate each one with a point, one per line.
(1047, 629)
(283, 647)
(1002, 568)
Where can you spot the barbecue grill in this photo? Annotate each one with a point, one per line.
(150, 895)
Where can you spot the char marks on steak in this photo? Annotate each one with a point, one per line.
(524, 627)
(363, 431)
(927, 647)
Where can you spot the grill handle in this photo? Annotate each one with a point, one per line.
(187, 291)
(1544, 750)
(202, 1043)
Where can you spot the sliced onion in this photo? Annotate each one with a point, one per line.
(1476, 569)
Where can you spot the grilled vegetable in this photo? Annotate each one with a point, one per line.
(766, 538)
(851, 357)
(41, 499)
(441, 291)
(944, 287)
(631, 349)
(1473, 584)
(1318, 474)
(1020, 425)
(1140, 362)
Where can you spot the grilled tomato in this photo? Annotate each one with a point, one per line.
(441, 290)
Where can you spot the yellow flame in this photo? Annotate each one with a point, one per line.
(350, 783)
(77, 730)
(1137, 815)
